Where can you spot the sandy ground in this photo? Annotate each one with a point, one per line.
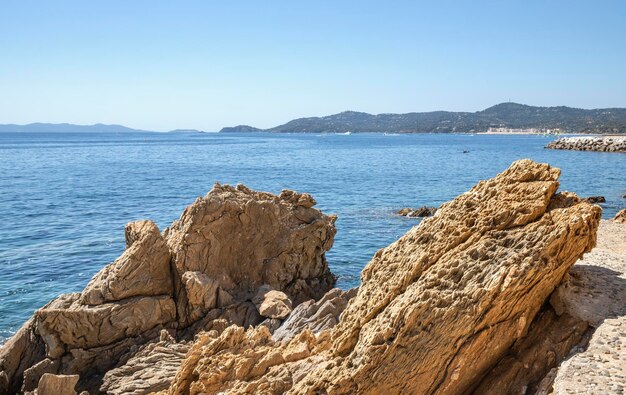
(597, 293)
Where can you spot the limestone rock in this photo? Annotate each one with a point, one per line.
(199, 275)
(19, 353)
(315, 316)
(244, 239)
(467, 282)
(620, 217)
(65, 323)
(202, 293)
(142, 270)
(33, 375)
(53, 384)
(272, 303)
(151, 369)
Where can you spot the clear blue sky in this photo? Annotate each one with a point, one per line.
(161, 65)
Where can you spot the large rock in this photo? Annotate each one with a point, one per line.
(65, 323)
(142, 270)
(620, 216)
(200, 275)
(244, 239)
(436, 310)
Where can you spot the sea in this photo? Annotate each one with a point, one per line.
(65, 197)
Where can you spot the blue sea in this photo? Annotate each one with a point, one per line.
(64, 198)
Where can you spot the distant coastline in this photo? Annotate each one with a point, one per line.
(516, 118)
(504, 118)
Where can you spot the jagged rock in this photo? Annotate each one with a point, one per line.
(65, 323)
(151, 369)
(142, 270)
(424, 211)
(596, 199)
(53, 384)
(202, 294)
(436, 310)
(199, 275)
(244, 239)
(33, 374)
(620, 216)
(19, 353)
(315, 316)
(272, 303)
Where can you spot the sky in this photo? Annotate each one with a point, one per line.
(162, 65)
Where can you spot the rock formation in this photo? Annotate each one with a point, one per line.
(596, 199)
(436, 310)
(134, 317)
(620, 216)
(596, 143)
(421, 212)
(236, 297)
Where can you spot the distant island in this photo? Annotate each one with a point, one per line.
(72, 128)
(504, 118)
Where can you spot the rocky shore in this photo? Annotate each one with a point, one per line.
(596, 143)
(236, 297)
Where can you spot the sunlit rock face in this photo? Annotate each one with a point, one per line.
(435, 311)
(199, 275)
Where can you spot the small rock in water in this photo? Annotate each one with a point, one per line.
(421, 212)
(596, 199)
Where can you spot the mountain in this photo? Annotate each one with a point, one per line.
(68, 128)
(504, 115)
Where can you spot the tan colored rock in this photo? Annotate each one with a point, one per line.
(620, 217)
(19, 353)
(149, 370)
(65, 323)
(222, 249)
(467, 282)
(244, 239)
(33, 375)
(315, 316)
(53, 384)
(202, 294)
(142, 270)
(272, 303)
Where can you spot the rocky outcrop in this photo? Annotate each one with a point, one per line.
(149, 370)
(596, 143)
(200, 274)
(244, 239)
(596, 199)
(420, 212)
(142, 270)
(315, 316)
(620, 216)
(435, 311)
